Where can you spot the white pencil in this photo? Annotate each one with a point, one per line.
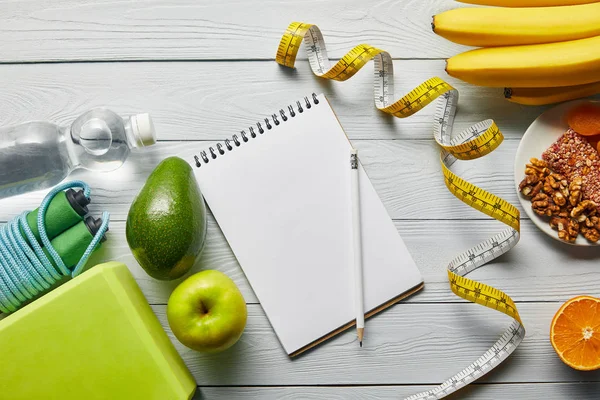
(357, 246)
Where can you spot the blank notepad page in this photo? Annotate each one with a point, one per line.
(282, 200)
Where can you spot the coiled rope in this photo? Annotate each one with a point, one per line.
(25, 270)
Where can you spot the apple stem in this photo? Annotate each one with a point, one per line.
(202, 308)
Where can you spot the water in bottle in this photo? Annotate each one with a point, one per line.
(37, 155)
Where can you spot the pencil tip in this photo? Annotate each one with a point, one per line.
(361, 343)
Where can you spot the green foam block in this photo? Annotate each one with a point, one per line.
(95, 337)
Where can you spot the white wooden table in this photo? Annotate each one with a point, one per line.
(204, 69)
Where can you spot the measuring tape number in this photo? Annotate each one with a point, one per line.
(474, 142)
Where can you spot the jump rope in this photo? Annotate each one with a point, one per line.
(42, 247)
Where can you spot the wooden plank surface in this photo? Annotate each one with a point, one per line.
(407, 344)
(213, 100)
(548, 391)
(204, 70)
(67, 30)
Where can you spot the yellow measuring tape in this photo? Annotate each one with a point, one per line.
(474, 142)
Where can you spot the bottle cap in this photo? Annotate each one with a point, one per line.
(143, 130)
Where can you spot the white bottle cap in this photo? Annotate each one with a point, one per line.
(143, 130)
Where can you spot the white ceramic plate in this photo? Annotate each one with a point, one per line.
(544, 131)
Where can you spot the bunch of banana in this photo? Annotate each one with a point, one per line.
(541, 54)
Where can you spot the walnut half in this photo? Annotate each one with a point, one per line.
(590, 234)
(590, 228)
(543, 204)
(535, 174)
(575, 191)
(583, 210)
(568, 228)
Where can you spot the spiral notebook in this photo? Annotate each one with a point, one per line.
(280, 192)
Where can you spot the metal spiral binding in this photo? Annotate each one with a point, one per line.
(269, 123)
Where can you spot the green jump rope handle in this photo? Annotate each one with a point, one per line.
(64, 211)
(72, 243)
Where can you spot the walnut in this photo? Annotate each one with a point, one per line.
(536, 189)
(532, 170)
(575, 191)
(535, 173)
(559, 199)
(538, 163)
(530, 189)
(591, 234)
(572, 230)
(537, 167)
(525, 188)
(568, 228)
(564, 190)
(542, 204)
(583, 209)
(530, 179)
(564, 212)
(591, 222)
(555, 185)
(573, 227)
(554, 182)
(555, 221)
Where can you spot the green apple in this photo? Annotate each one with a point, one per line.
(207, 312)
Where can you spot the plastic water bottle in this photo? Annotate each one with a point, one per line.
(38, 155)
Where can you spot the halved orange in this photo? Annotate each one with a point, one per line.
(575, 333)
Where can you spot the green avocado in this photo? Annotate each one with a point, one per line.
(166, 224)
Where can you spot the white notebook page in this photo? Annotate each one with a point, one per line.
(282, 200)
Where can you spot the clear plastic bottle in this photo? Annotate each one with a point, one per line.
(37, 155)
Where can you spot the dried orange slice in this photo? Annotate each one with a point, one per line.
(594, 141)
(585, 119)
(575, 333)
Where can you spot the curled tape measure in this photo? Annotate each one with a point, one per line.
(474, 142)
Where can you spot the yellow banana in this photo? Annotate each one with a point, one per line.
(540, 96)
(527, 3)
(511, 26)
(537, 65)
